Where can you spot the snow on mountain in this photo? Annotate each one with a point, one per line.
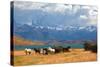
(69, 28)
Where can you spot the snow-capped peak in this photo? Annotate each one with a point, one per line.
(67, 28)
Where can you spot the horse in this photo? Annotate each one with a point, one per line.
(43, 51)
(28, 51)
(58, 49)
(51, 50)
(66, 49)
(37, 50)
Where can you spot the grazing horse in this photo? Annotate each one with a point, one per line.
(66, 49)
(28, 51)
(37, 50)
(58, 49)
(43, 51)
(51, 50)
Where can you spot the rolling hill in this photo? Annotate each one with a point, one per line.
(21, 41)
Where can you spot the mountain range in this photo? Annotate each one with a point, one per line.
(59, 32)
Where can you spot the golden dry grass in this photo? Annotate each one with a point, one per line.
(75, 55)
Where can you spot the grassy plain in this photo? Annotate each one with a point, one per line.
(75, 55)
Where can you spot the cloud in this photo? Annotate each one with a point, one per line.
(65, 12)
(60, 8)
(93, 13)
(83, 17)
(86, 7)
(63, 8)
(76, 8)
(53, 7)
(23, 5)
(90, 15)
(48, 7)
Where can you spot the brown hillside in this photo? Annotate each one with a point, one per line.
(21, 41)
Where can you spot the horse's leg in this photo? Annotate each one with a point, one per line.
(26, 52)
(29, 53)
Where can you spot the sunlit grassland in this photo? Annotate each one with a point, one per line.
(76, 55)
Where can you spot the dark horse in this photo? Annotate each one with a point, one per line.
(66, 49)
(43, 51)
(37, 50)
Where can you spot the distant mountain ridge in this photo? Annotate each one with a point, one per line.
(43, 33)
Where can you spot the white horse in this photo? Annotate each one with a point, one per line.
(51, 49)
(43, 51)
(28, 51)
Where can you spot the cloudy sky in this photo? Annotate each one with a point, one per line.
(54, 14)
